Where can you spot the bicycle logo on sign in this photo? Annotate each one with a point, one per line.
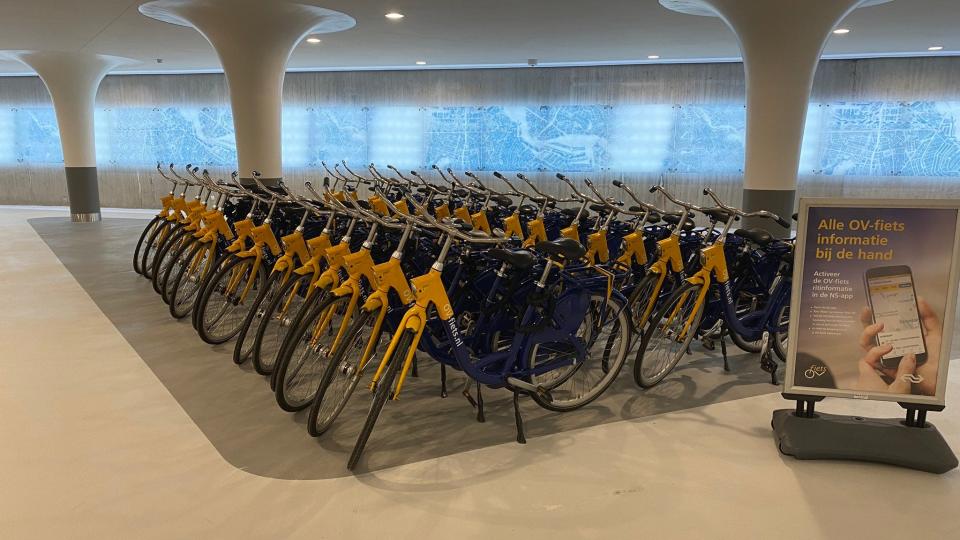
(813, 372)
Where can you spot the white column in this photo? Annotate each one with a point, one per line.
(253, 39)
(72, 78)
(781, 42)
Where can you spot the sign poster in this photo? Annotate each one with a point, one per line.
(874, 293)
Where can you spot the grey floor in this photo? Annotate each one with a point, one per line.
(235, 409)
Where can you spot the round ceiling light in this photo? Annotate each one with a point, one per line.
(313, 40)
(394, 15)
(841, 31)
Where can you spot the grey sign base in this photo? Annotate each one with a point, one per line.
(880, 440)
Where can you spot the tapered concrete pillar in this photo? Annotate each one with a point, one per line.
(253, 39)
(72, 78)
(781, 42)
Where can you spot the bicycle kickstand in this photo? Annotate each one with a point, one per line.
(443, 380)
(723, 347)
(480, 416)
(516, 412)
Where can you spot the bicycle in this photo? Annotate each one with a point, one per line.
(668, 336)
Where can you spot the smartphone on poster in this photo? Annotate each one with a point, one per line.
(893, 302)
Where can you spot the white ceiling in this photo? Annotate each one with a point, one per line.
(465, 33)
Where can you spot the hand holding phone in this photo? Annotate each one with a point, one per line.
(894, 311)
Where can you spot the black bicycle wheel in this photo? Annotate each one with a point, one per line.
(222, 306)
(381, 393)
(177, 261)
(223, 260)
(640, 299)
(312, 302)
(605, 331)
(166, 256)
(303, 364)
(780, 338)
(344, 372)
(185, 286)
(667, 336)
(154, 243)
(279, 317)
(143, 238)
(245, 339)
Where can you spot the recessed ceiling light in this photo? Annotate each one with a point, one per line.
(421, 63)
(394, 16)
(313, 40)
(841, 31)
(935, 48)
(653, 57)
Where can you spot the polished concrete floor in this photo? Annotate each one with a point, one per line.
(103, 440)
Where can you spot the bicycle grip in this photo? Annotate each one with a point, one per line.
(653, 189)
(782, 222)
(617, 183)
(706, 191)
(498, 175)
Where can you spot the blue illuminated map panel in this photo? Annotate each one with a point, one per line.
(863, 139)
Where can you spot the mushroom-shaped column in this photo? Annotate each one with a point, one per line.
(781, 42)
(72, 78)
(253, 39)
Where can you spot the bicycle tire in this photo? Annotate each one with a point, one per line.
(639, 299)
(178, 259)
(221, 261)
(265, 360)
(143, 236)
(685, 293)
(299, 366)
(240, 353)
(380, 395)
(312, 302)
(615, 317)
(205, 326)
(780, 338)
(331, 396)
(182, 299)
(152, 245)
(164, 258)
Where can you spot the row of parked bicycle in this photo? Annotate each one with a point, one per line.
(517, 289)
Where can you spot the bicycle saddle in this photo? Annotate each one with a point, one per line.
(529, 209)
(363, 204)
(460, 193)
(717, 214)
(758, 236)
(674, 217)
(460, 225)
(572, 213)
(501, 200)
(520, 259)
(653, 217)
(565, 248)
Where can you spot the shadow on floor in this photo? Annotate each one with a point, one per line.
(236, 410)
